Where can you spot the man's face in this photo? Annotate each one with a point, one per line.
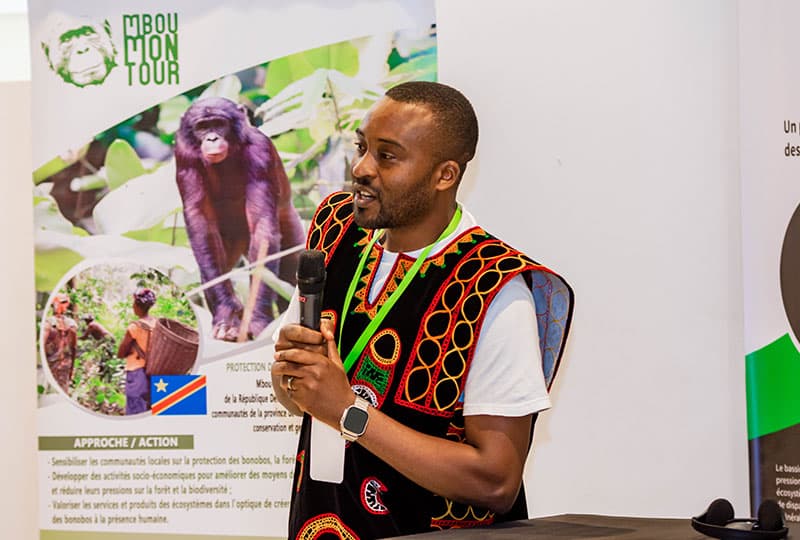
(393, 170)
(60, 305)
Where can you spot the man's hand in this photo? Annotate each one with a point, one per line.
(310, 361)
(485, 471)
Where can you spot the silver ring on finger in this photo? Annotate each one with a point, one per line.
(289, 381)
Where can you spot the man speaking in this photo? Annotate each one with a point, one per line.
(437, 344)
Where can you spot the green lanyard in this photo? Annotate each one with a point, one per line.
(369, 331)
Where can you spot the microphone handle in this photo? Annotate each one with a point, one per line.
(310, 310)
(326, 462)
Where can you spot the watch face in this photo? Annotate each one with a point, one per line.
(355, 421)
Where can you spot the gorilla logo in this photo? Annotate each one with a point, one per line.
(83, 54)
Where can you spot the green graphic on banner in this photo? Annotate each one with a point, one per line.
(773, 389)
(118, 442)
(151, 48)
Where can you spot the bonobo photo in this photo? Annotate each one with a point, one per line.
(83, 54)
(237, 201)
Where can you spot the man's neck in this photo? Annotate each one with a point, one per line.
(419, 235)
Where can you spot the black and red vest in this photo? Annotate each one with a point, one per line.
(413, 369)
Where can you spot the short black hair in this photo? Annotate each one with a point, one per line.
(454, 116)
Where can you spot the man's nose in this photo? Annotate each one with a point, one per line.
(363, 167)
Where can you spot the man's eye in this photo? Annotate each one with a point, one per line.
(384, 155)
(360, 148)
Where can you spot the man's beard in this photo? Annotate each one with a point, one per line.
(406, 210)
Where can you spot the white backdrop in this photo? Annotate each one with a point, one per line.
(609, 150)
(18, 398)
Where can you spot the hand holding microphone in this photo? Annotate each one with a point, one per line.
(327, 446)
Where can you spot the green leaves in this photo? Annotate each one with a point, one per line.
(312, 121)
(142, 202)
(227, 87)
(169, 118)
(88, 183)
(309, 103)
(419, 68)
(341, 57)
(51, 264)
(56, 165)
(122, 164)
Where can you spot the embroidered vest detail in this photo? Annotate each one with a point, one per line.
(413, 369)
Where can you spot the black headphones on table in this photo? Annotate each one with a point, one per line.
(718, 521)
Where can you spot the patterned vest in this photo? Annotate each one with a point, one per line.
(413, 369)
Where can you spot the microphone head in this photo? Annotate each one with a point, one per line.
(311, 272)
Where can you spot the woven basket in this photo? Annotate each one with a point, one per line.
(172, 349)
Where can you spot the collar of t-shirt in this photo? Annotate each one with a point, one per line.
(388, 258)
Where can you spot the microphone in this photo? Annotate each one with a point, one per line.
(326, 460)
(310, 283)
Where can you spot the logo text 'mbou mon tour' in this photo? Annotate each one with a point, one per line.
(151, 48)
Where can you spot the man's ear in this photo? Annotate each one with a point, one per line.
(449, 173)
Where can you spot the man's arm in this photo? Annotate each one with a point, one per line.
(486, 471)
(125, 345)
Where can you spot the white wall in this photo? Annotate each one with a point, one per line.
(609, 150)
(18, 398)
(15, 64)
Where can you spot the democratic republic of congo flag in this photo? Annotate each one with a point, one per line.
(178, 394)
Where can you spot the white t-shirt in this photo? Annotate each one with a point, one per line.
(505, 377)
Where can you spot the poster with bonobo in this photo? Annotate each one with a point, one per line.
(180, 150)
(770, 170)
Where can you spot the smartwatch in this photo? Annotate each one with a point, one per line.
(354, 420)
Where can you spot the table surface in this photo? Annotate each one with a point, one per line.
(568, 526)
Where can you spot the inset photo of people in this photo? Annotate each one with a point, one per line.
(108, 329)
